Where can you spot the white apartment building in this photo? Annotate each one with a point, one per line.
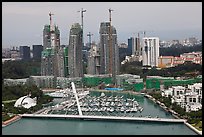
(189, 97)
(150, 51)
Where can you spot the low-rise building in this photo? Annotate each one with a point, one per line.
(15, 81)
(189, 97)
(171, 61)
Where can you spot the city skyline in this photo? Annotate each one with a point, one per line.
(22, 22)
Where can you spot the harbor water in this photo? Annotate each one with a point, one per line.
(50, 126)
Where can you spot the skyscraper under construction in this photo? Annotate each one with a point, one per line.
(108, 49)
(75, 63)
(52, 55)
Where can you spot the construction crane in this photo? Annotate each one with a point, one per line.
(144, 32)
(82, 23)
(112, 64)
(110, 44)
(50, 14)
(82, 26)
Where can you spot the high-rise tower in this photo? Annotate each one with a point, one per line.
(150, 51)
(134, 46)
(105, 49)
(75, 64)
(37, 49)
(25, 52)
(94, 60)
(52, 56)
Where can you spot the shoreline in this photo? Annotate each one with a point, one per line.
(193, 128)
(10, 121)
(18, 117)
(174, 115)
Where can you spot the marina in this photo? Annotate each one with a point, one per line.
(103, 104)
(101, 107)
(77, 126)
(81, 102)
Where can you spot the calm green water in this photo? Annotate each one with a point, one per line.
(35, 126)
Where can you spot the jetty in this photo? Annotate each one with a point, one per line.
(88, 117)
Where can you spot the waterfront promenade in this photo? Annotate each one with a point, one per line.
(86, 117)
(14, 119)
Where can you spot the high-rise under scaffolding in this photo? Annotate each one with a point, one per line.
(105, 49)
(52, 55)
(75, 63)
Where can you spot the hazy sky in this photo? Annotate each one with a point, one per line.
(23, 22)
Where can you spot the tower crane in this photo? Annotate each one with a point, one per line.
(82, 23)
(110, 43)
(50, 14)
(144, 32)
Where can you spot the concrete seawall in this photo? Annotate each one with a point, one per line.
(193, 128)
(104, 118)
(174, 115)
(10, 121)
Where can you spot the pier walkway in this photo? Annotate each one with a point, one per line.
(104, 118)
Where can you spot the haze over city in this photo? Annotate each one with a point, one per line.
(22, 22)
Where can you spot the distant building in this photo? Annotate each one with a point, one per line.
(10, 82)
(134, 46)
(6, 53)
(171, 61)
(37, 50)
(150, 51)
(192, 40)
(15, 53)
(75, 63)
(50, 82)
(130, 45)
(24, 52)
(85, 55)
(165, 61)
(122, 45)
(66, 67)
(94, 60)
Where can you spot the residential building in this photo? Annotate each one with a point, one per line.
(15, 53)
(171, 61)
(109, 51)
(131, 42)
(134, 46)
(150, 51)
(52, 60)
(94, 60)
(75, 63)
(189, 97)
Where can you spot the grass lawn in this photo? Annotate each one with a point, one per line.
(198, 125)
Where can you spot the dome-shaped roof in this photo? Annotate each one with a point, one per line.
(25, 102)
